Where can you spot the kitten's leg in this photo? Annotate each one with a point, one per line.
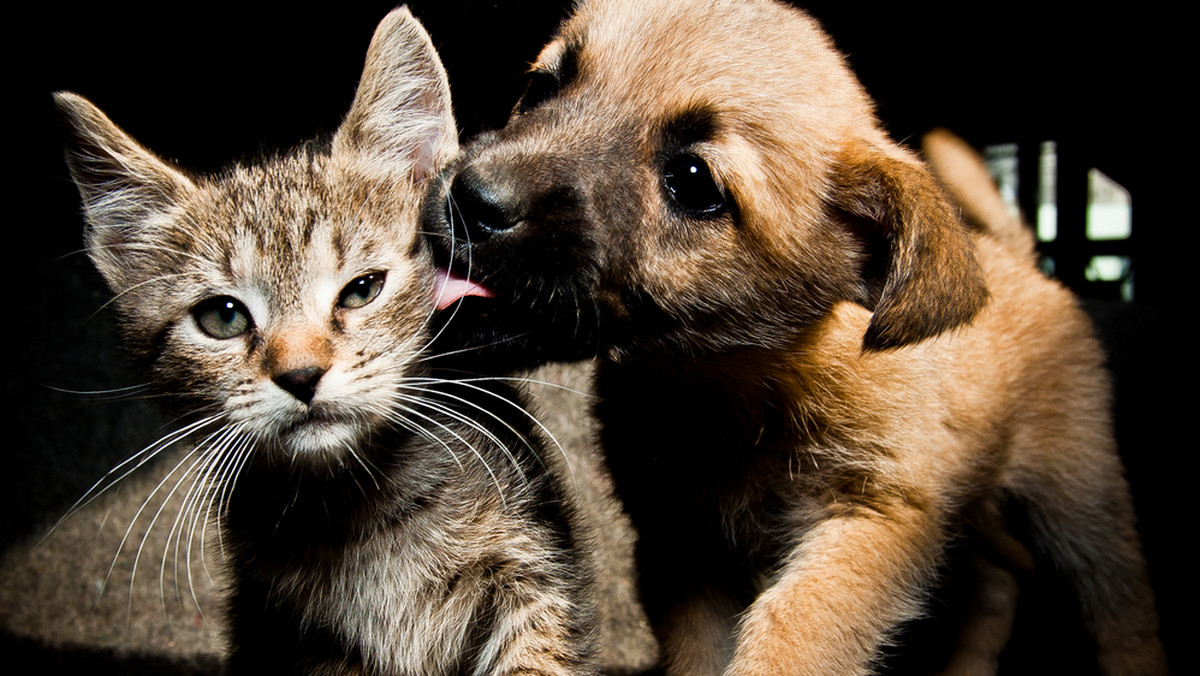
(539, 630)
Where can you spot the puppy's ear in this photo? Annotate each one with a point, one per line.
(933, 281)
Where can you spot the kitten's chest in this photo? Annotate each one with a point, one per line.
(408, 602)
(402, 579)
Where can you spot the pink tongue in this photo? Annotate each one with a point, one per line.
(450, 288)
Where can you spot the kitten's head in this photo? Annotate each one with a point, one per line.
(286, 300)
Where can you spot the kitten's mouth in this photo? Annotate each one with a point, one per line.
(450, 288)
(320, 432)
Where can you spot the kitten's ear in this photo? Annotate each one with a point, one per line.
(123, 185)
(401, 120)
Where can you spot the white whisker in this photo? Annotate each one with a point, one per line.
(233, 472)
(109, 394)
(234, 453)
(191, 462)
(138, 460)
(457, 416)
(152, 280)
(470, 384)
(133, 521)
(399, 407)
(193, 507)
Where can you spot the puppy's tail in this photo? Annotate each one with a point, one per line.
(964, 175)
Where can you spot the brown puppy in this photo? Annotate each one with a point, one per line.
(812, 372)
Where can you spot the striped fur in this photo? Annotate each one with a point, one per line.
(378, 514)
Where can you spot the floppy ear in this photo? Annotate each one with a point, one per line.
(933, 281)
(401, 120)
(125, 189)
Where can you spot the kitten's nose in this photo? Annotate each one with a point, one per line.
(301, 383)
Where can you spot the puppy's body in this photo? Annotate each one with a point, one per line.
(827, 485)
(813, 374)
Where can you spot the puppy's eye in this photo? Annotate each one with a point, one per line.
(541, 85)
(222, 317)
(362, 290)
(691, 187)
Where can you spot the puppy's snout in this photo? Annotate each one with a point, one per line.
(480, 207)
(511, 198)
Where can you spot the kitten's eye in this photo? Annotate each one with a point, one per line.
(362, 290)
(222, 317)
(691, 187)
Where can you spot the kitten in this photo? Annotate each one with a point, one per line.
(377, 516)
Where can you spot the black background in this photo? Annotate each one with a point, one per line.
(208, 83)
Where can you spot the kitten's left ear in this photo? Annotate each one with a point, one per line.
(401, 119)
(126, 190)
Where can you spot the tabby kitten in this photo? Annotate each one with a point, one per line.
(378, 516)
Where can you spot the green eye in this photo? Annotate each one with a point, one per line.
(222, 317)
(362, 290)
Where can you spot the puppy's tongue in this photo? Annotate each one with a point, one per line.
(450, 288)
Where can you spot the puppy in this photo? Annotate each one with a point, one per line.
(812, 373)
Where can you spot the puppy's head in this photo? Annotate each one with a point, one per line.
(691, 176)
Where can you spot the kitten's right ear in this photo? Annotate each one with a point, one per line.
(123, 185)
(401, 121)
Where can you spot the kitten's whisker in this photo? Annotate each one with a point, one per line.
(184, 520)
(400, 407)
(425, 434)
(229, 452)
(450, 211)
(525, 380)
(470, 384)
(450, 412)
(152, 280)
(187, 459)
(132, 523)
(212, 505)
(192, 506)
(471, 348)
(195, 471)
(115, 393)
(106, 482)
(245, 451)
(349, 450)
(364, 464)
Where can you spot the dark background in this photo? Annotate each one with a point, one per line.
(206, 83)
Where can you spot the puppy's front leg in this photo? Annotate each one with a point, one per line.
(847, 585)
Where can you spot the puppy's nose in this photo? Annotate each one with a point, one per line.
(479, 206)
(300, 383)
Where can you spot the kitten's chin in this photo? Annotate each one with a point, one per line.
(325, 441)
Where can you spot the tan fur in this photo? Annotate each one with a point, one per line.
(965, 176)
(806, 392)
